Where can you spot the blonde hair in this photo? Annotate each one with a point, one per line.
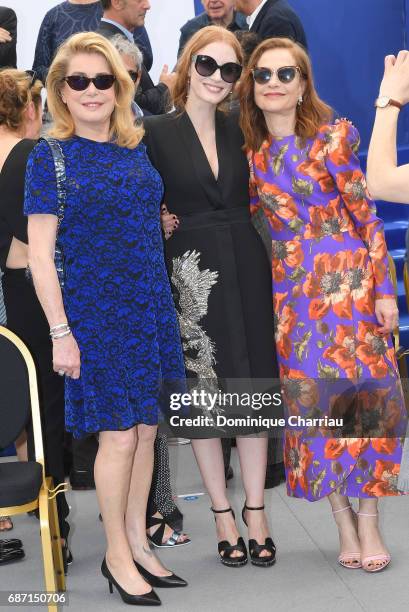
(16, 94)
(310, 115)
(122, 126)
(203, 37)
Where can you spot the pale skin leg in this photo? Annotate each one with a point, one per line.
(253, 457)
(348, 535)
(135, 518)
(112, 471)
(368, 530)
(253, 464)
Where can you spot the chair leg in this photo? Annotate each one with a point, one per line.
(49, 574)
(56, 539)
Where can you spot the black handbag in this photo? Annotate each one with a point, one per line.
(59, 164)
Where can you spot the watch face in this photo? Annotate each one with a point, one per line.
(382, 101)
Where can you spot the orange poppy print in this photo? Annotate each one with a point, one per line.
(329, 265)
(373, 350)
(342, 352)
(285, 251)
(328, 286)
(385, 479)
(297, 460)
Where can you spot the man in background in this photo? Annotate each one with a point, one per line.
(68, 18)
(122, 17)
(8, 38)
(272, 18)
(216, 12)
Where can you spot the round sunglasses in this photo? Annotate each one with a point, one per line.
(286, 74)
(206, 66)
(79, 82)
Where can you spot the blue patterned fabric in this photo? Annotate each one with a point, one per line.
(65, 19)
(117, 295)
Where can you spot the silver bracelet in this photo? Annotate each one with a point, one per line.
(61, 334)
(60, 326)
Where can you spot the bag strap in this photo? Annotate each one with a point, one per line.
(59, 164)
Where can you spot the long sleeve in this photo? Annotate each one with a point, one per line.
(43, 51)
(154, 99)
(342, 142)
(8, 21)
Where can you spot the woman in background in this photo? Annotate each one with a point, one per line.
(20, 125)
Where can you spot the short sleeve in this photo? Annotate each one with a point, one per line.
(40, 193)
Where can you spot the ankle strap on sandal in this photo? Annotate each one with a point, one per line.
(253, 508)
(220, 511)
(341, 509)
(365, 514)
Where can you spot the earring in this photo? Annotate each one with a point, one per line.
(188, 88)
(300, 101)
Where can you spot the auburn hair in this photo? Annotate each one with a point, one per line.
(203, 37)
(310, 115)
(16, 93)
(122, 126)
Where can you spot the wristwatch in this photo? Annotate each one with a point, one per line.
(384, 101)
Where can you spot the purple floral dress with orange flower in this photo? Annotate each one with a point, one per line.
(329, 264)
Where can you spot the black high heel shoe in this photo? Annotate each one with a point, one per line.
(227, 549)
(147, 599)
(160, 581)
(255, 548)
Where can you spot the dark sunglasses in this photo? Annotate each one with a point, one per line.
(134, 75)
(206, 66)
(81, 83)
(286, 74)
(32, 75)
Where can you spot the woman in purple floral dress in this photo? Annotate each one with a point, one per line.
(334, 300)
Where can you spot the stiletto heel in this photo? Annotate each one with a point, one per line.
(354, 558)
(226, 549)
(371, 559)
(255, 548)
(147, 599)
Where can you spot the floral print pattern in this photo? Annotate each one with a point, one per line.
(329, 265)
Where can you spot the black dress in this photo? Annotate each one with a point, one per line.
(25, 317)
(220, 275)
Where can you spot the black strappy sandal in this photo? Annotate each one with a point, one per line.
(255, 548)
(226, 549)
(157, 537)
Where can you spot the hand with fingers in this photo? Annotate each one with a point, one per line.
(66, 356)
(395, 82)
(5, 36)
(168, 78)
(169, 222)
(387, 314)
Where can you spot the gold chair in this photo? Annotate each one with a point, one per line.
(24, 485)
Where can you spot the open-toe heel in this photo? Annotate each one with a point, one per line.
(369, 563)
(157, 537)
(256, 549)
(349, 559)
(226, 549)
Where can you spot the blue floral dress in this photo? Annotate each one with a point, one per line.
(116, 292)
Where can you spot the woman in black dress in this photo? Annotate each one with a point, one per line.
(20, 124)
(219, 271)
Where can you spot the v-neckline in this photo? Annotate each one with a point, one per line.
(203, 152)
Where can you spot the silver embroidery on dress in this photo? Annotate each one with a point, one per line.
(194, 286)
